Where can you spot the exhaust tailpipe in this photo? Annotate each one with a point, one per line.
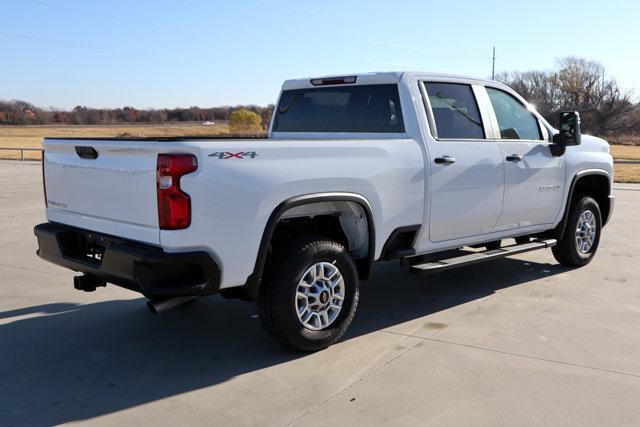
(161, 305)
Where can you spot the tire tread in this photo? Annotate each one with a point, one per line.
(285, 264)
(565, 251)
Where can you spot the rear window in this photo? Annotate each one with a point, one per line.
(366, 108)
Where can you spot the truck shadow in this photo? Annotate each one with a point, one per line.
(82, 361)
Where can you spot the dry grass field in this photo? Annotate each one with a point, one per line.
(31, 137)
(627, 152)
(626, 172)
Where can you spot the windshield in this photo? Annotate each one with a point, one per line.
(365, 108)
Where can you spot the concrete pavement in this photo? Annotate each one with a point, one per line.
(516, 341)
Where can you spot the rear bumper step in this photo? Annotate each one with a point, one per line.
(477, 257)
(132, 265)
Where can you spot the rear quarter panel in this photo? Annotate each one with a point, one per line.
(233, 198)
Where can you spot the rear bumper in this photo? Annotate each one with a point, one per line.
(132, 265)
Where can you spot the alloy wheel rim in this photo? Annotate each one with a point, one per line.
(319, 296)
(586, 231)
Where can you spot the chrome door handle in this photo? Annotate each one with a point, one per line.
(444, 160)
(514, 158)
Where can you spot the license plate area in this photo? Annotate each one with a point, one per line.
(84, 247)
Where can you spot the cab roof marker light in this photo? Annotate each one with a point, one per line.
(334, 81)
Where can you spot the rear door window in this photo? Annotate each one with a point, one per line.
(363, 108)
(455, 111)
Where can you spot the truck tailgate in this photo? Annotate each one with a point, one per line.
(113, 193)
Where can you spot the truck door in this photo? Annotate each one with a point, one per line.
(466, 168)
(534, 177)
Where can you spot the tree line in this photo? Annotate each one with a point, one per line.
(575, 84)
(17, 112)
(582, 85)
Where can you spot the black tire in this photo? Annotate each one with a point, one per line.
(566, 251)
(276, 303)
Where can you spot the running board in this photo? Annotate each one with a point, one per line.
(477, 257)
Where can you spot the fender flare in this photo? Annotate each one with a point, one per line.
(560, 228)
(252, 285)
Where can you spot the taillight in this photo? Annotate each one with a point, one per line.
(174, 205)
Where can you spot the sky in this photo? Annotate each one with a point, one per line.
(179, 53)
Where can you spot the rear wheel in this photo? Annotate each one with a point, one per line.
(581, 237)
(310, 298)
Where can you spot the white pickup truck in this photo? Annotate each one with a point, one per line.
(356, 169)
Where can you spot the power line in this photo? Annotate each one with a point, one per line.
(86, 46)
(415, 48)
(364, 24)
(103, 15)
(324, 14)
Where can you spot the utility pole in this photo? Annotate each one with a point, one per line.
(493, 66)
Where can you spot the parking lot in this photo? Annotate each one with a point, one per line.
(516, 341)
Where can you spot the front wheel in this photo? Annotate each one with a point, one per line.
(309, 300)
(581, 237)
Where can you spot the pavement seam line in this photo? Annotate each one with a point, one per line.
(359, 380)
(34, 270)
(526, 356)
(422, 339)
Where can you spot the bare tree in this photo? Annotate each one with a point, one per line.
(582, 85)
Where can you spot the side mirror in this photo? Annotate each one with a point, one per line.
(569, 126)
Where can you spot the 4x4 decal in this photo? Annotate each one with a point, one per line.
(223, 155)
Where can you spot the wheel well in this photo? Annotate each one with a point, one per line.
(345, 217)
(342, 221)
(288, 229)
(598, 187)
